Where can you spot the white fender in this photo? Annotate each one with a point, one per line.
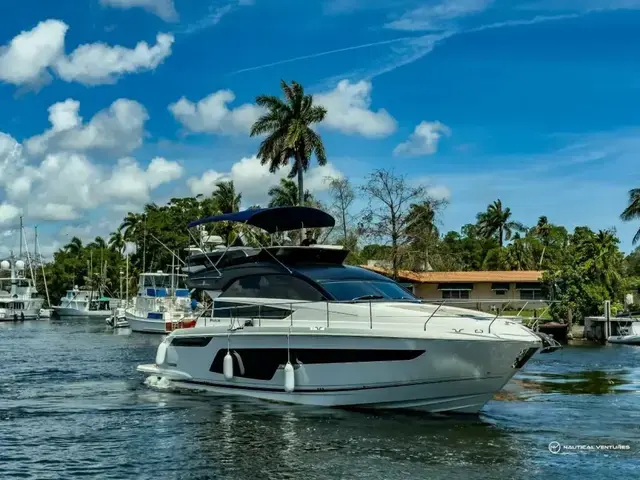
(161, 353)
(227, 366)
(289, 378)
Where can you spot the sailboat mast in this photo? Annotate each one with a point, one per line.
(20, 255)
(44, 277)
(127, 279)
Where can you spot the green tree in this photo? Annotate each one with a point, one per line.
(632, 212)
(288, 125)
(496, 222)
(286, 195)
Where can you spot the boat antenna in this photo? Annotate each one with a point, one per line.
(26, 247)
(206, 255)
(173, 255)
(269, 253)
(44, 277)
(144, 245)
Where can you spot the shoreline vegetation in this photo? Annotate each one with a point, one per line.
(398, 224)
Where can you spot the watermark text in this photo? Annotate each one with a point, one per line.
(557, 447)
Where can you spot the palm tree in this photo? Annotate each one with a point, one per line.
(287, 195)
(289, 133)
(116, 241)
(131, 225)
(543, 231)
(632, 212)
(225, 197)
(495, 223)
(74, 246)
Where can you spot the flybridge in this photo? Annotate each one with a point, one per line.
(277, 219)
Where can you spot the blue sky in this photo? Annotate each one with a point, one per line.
(533, 102)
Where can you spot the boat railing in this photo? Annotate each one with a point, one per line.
(255, 311)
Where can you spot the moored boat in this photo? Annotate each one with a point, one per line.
(294, 324)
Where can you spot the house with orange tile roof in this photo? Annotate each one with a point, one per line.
(483, 290)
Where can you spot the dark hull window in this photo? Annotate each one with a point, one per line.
(273, 286)
(262, 363)
(235, 310)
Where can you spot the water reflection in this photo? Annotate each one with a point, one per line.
(249, 439)
(594, 382)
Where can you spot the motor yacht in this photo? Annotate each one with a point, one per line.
(162, 304)
(81, 302)
(294, 324)
(19, 298)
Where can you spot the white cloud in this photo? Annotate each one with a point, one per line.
(29, 55)
(130, 183)
(164, 9)
(98, 63)
(424, 139)
(438, 16)
(29, 58)
(254, 180)
(65, 184)
(8, 213)
(348, 111)
(439, 192)
(117, 130)
(211, 114)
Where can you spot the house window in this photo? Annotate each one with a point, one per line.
(531, 295)
(455, 294)
(500, 293)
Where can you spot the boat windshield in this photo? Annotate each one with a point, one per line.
(346, 290)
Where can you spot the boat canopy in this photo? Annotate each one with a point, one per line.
(276, 219)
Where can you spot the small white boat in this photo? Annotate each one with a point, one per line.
(118, 318)
(46, 312)
(84, 303)
(162, 305)
(629, 335)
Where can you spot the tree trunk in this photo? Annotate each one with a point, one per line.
(300, 181)
(500, 235)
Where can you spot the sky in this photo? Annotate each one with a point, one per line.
(106, 105)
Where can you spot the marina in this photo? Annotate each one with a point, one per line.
(90, 414)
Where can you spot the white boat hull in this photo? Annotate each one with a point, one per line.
(30, 312)
(74, 312)
(625, 339)
(340, 369)
(137, 323)
(145, 325)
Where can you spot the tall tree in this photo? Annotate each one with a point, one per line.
(289, 134)
(342, 197)
(422, 230)
(286, 195)
(226, 200)
(496, 222)
(386, 217)
(632, 212)
(225, 197)
(74, 246)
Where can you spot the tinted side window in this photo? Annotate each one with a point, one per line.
(240, 310)
(273, 286)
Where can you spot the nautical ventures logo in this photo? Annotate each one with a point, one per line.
(557, 447)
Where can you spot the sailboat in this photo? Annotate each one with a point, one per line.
(87, 301)
(19, 298)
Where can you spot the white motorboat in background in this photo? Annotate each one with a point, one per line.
(163, 304)
(19, 298)
(295, 325)
(629, 335)
(85, 303)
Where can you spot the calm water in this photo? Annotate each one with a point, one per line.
(72, 405)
